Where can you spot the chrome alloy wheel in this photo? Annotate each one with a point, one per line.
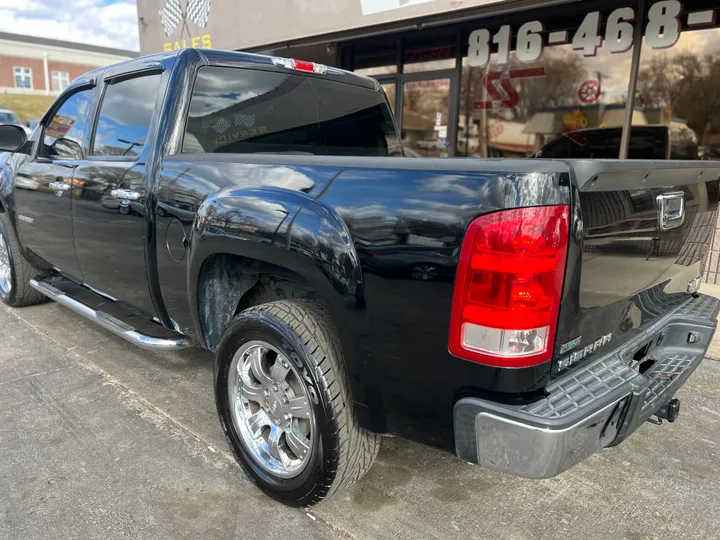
(5, 267)
(270, 408)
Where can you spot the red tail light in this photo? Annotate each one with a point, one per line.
(508, 287)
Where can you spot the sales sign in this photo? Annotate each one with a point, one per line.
(662, 32)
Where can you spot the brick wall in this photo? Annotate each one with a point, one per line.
(7, 78)
(7, 63)
(75, 70)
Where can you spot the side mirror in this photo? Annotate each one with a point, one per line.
(11, 138)
(66, 148)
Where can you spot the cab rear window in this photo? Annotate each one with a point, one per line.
(252, 111)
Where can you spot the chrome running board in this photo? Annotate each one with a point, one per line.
(116, 326)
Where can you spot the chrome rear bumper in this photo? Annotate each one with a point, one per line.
(593, 407)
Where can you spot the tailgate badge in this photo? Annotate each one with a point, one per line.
(578, 355)
(671, 210)
(570, 345)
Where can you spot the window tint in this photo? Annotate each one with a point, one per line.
(125, 115)
(68, 123)
(247, 111)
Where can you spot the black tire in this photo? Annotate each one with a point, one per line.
(341, 452)
(20, 294)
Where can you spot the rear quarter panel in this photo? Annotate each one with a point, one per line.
(406, 220)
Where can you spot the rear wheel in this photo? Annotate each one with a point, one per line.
(283, 401)
(15, 271)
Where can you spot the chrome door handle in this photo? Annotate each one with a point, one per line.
(59, 186)
(125, 194)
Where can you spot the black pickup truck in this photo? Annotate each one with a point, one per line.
(522, 314)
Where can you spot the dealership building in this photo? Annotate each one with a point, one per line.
(496, 78)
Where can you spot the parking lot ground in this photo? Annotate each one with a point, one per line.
(101, 439)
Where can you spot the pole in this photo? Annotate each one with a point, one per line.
(47, 75)
(483, 135)
(632, 84)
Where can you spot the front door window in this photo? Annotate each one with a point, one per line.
(63, 134)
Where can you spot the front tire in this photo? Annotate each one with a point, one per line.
(15, 271)
(283, 401)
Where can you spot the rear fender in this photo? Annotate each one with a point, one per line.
(291, 230)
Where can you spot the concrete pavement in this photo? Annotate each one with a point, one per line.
(101, 439)
(83, 456)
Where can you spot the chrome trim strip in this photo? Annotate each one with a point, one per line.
(145, 342)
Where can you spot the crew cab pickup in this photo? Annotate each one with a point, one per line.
(522, 314)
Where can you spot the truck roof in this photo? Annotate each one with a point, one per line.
(216, 57)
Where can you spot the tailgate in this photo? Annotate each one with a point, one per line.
(640, 236)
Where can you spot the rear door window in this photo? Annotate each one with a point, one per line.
(253, 111)
(125, 115)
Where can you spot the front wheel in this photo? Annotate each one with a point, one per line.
(283, 401)
(15, 271)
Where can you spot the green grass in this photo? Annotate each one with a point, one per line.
(26, 106)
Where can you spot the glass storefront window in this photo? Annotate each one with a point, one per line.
(543, 78)
(389, 89)
(430, 65)
(678, 87)
(553, 82)
(378, 70)
(425, 117)
(424, 58)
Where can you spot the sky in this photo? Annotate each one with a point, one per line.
(109, 23)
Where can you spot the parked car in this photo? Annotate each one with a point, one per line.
(9, 117)
(32, 123)
(521, 314)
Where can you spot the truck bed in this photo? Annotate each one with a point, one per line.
(406, 219)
